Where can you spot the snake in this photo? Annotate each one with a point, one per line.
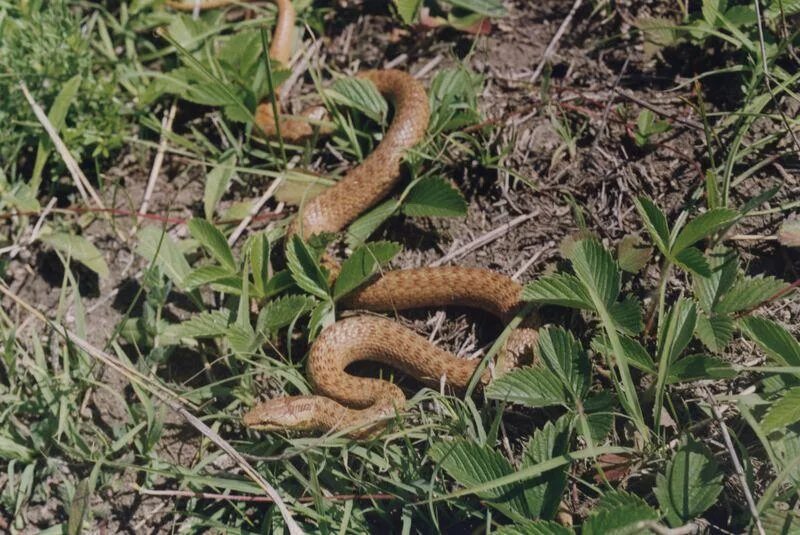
(360, 407)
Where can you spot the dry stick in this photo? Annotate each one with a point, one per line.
(483, 240)
(259, 499)
(660, 111)
(658, 529)
(609, 104)
(167, 397)
(551, 47)
(81, 182)
(158, 161)
(254, 210)
(751, 504)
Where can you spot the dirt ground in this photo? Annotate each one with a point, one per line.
(597, 74)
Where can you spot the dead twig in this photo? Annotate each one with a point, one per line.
(258, 499)
(660, 111)
(158, 161)
(553, 44)
(751, 504)
(484, 239)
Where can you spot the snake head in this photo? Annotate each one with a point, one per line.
(297, 413)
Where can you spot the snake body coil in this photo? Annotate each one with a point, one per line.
(356, 405)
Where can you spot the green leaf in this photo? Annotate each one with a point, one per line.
(206, 275)
(636, 354)
(597, 270)
(242, 339)
(703, 226)
(362, 264)
(632, 254)
(699, 367)
(690, 484)
(407, 9)
(453, 99)
(539, 527)
(490, 8)
(363, 227)
(533, 387)
(655, 222)
(361, 95)
(677, 331)
(278, 283)
(614, 499)
(78, 248)
(748, 293)
(774, 339)
(715, 332)
(783, 411)
(471, 464)
(322, 316)
(217, 181)
(57, 117)
(543, 493)
(214, 242)
(305, 270)
(203, 325)
(158, 247)
(560, 289)
(434, 197)
(627, 315)
(600, 410)
(566, 358)
(692, 259)
(624, 520)
(78, 507)
(281, 312)
(258, 248)
(708, 290)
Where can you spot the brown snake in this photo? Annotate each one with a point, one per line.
(360, 406)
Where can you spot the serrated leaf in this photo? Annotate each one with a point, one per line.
(690, 485)
(692, 259)
(633, 254)
(625, 520)
(596, 269)
(708, 290)
(703, 226)
(281, 312)
(213, 241)
(79, 249)
(699, 367)
(613, 499)
(407, 9)
(783, 411)
(363, 227)
(774, 339)
(627, 315)
(566, 358)
(655, 222)
(453, 100)
(543, 493)
(716, 332)
(560, 289)
(539, 527)
(278, 283)
(434, 197)
(361, 95)
(471, 464)
(305, 270)
(362, 264)
(748, 293)
(242, 338)
(789, 233)
(322, 316)
(636, 354)
(533, 387)
(203, 325)
(217, 181)
(206, 275)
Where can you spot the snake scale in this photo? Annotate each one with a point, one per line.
(360, 406)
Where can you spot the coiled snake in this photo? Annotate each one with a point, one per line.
(360, 406)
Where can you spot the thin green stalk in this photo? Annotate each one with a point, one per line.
(664, 361)
(272, 96)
